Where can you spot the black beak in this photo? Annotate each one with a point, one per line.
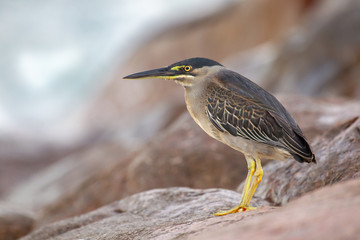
(165, 73)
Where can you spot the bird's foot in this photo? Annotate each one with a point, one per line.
(236, 209)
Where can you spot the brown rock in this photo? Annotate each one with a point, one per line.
(74, 184)
(21, 157)
(316, 116)
(183, 155)
(328, 213)
(321, 57)
(226, 32)
(186, 156)
(183, 213)
(15, 222)
(337, 154)
(149, 215)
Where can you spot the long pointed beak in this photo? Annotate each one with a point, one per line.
(155, 73)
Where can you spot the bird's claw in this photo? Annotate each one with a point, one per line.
(234, 210)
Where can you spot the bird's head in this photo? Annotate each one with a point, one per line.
(186, 72)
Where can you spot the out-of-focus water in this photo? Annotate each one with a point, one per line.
(56, 54)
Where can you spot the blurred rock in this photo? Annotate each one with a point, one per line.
(320, 57)
(72, 185)
(22, 157)
(186, 156)
(316, 116)
(160, 213)
(15, 222)
(182, 155)
(182, 213)
(217, 36)
(337, 155)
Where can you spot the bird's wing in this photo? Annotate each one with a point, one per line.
(263, 119)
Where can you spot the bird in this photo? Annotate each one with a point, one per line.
(239, 113)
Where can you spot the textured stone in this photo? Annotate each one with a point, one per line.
(182, 155)
(327, 213)
(337, 154)
(183, 213)
(155, 214)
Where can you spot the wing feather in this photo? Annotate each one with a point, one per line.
(254, 114)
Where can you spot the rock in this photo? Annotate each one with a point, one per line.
(183, 213)
(186, 156)
(75, 184)
(15, 222)
(146, 215)
(337, 153)
(217, 37)
(316, 116)
(183, 155)
(321, 214)
(21, 157)
(320, 56)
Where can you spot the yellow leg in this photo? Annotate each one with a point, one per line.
(243, 206)
(255, 182)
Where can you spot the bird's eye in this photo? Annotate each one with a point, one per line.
(187, 68)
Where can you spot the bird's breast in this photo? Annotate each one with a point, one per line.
(196, 105)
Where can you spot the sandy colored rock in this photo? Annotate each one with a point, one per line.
(225, 33)
(316, 116)
(183, 213)
(328, 213)
(148, 215)
(70, 186)
(321, 57)
(15, 221)
(183, 155)
(337, 154)
(186, 156)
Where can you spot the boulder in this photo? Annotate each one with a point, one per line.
(167, 213)
(320, 56)
(183, 213)
(182, 155)
(74, 184)
(15, 221)
(321, 214)
(217, 36)
(337, 155)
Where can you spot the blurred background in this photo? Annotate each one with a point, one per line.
(66, 111)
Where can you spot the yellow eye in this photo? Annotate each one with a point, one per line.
(187, 68)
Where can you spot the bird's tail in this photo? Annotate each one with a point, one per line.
(302, 159)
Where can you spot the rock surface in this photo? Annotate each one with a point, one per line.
(328, 213)
(183, 155)
(183, 213)
(337, 152)
(321, 58)
(15, 222)
(316, 116)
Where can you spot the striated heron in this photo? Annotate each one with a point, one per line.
(238, 113)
